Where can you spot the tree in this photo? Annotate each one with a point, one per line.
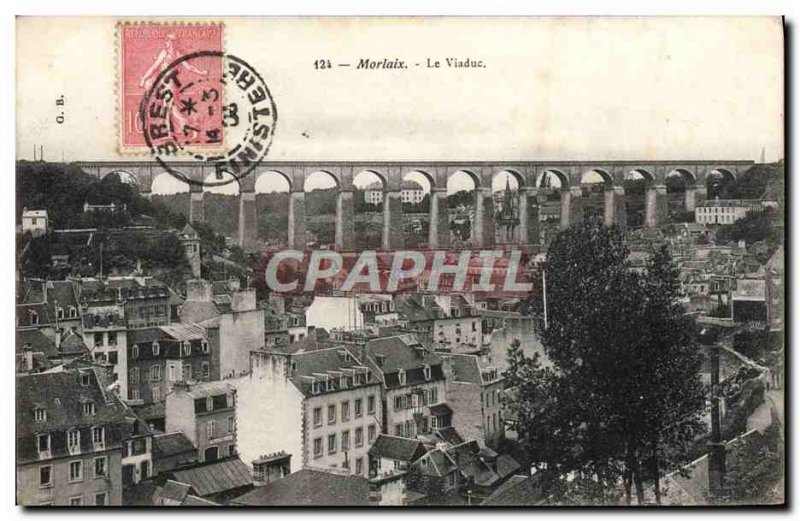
(622, 397)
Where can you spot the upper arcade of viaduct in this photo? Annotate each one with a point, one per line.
(571, 174)
(391, 173)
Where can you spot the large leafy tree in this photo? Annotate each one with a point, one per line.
(619, 395)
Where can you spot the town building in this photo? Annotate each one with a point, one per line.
(328, 403)
(172, 451)
(727, 211)
(414, 389)
(160, 357)
(474, 386)
(191, 248)
(69, 434)
(215, 481)
(34, 222)
(205, 414)
(392, 454)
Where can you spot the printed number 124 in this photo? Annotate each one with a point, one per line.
(322, 64)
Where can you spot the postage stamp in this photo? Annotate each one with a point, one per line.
(145, 50)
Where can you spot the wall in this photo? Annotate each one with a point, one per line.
(239, 333)
(29, 493)
(269, 412)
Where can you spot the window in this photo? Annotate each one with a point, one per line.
(370, 433)
(88, 409)
(398, 430)
(204, 346)
(206, 369)
(76, 501)
(156, 348)
(401, 376)
(398, 403)
(346, 464)
(73, 441)
(46, 476)
(229, 399)
(156, 392)
(359, 436)
(357, 407)
(328, 384)
(434, 395)
(75, 470)
(112, 338)
(187, 372)
(73, 312)
(371, 405)
(345, 411)
(98, 339)
(211, 429)
(427, 372)
(317, 416)
(345, 440)
(155, 373)
(359, 466)
(100, 499)
(317, 447)
(452, 479)
(100, 467)
(172, 374)
(331, 443)
(39, 415)
(231, 450)
(434, 423)
(135, 351)
(332, 414)
(133, 394)
(231, 424)
(343, 382)
(60, 312)
(187, 348)
(98, 436)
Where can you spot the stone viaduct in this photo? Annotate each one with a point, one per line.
(391, 173)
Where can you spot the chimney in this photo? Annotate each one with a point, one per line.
(27, 351)
(244, 300)
(58, 338)
(716, 447)
(198, 290)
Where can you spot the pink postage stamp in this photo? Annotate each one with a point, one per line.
(146, 51)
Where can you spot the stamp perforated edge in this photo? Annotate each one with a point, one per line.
(143, 151)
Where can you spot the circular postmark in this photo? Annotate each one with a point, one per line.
(212, 107)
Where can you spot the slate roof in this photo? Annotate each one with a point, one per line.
(216, 477)
(436, 463)
(518, 491)
(173, 445)
(72, 344)
(309, 487)
(403, 352)
(62, 395)
(466, 457)
(395, 447)
(172, 491)
(214, 388)
(506, 465)
(320, 362)
(37, 340)
(441, 409)
(465, 368)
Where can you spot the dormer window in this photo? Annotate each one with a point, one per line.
(135, 351)
(88, 409)
(294, 365)
(343, 382)
(315, 387)
(33, 318)
(210, 403)
(187, 348)
(85, 379)
(229, 399)
(73, 312)
(73, 441)
(328, 384)
(427, 372)
(156, 348)
(60, 312)
(401, 376)
(204, 346)
(39, 415)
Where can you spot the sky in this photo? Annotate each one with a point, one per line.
(551, 88)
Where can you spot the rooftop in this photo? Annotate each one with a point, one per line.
(219, 476)
(309, 487)
(395, 447)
